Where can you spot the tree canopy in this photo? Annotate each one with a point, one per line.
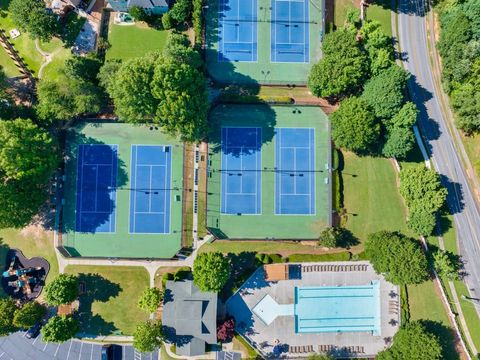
(148, 336)
(390, 251)
(424, 195)
(413, 341)
(400, 139)
(62, 290)
(7, 309)
(26, 151)
(378, 46)
(211, 271)
(168, 90)
(59, 329)
(354, 126)
(385, 92)
(29, 314)
(150, 299)
(32, 16)
(446, 264)
(343, 67)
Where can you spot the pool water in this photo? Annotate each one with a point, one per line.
(337, 309)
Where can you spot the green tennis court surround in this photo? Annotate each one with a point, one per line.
(269, 172)
(123, 192)
(263, 41)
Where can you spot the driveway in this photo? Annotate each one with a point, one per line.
(17, 347)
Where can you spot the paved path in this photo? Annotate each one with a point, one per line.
(445, 152)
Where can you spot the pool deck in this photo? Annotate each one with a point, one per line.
(282, 329)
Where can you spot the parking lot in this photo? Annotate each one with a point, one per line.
(17, 347)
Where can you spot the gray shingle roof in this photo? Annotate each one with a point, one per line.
(147, 4)
(192, 314)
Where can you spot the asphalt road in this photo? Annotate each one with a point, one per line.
(413, 44)
(17, 347)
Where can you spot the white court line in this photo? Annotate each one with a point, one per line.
(165, 197)
(70, 348)
(56, 351)
(80, 352)
(135, 195)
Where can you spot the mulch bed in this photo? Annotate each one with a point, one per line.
(22, 262)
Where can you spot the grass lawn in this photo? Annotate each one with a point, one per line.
(267, 247)
(340, 12)
(379, 11)
(7, 64)
(472, 147)
(129, 41)
(110, 304)
(425, 304)
(371, 197)
(32, 241)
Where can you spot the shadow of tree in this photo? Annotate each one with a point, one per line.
(75, 139)
(98, 289)
(446, 337)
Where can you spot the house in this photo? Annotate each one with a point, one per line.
(153, 7)
(189, 317)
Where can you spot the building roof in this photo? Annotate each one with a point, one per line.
(191, 315)
(148, 4)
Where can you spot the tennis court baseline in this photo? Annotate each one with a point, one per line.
(150, 189)
(295, 171)
(290, 31)
(237, 30)
(96, 188)
(241, 177)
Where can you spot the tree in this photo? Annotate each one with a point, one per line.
(167, 21)
(342, 68)
(399, 142)
(182, 100)
(466, 102)
(131, 89)
(390, 251)
(148, 336)
(225, 330)
(32, 16)
(421, 221)
(107, 74)
(421, 188)
(385, 92)
(65, 100)
(7, 309)
(181, 11)
(26, 151)
(150, 299)
(20, 200)
(378, 46)
(30, 314)
(211, 271)
(179, 50)
(60, 329)
(84, 68)
(321, 357)
(414, 342)
(446, 264)
(328, 237)
(62, 290)
(137, 13)
(354, 126)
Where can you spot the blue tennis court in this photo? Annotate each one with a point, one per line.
(96, 188)
(290, 31)
(295, 171)
(237, 30)
(241, 170)
(150, 189)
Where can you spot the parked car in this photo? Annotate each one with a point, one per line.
(33, 332)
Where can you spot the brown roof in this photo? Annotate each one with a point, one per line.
(276, 272)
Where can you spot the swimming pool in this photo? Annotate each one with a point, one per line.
(337, 309)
